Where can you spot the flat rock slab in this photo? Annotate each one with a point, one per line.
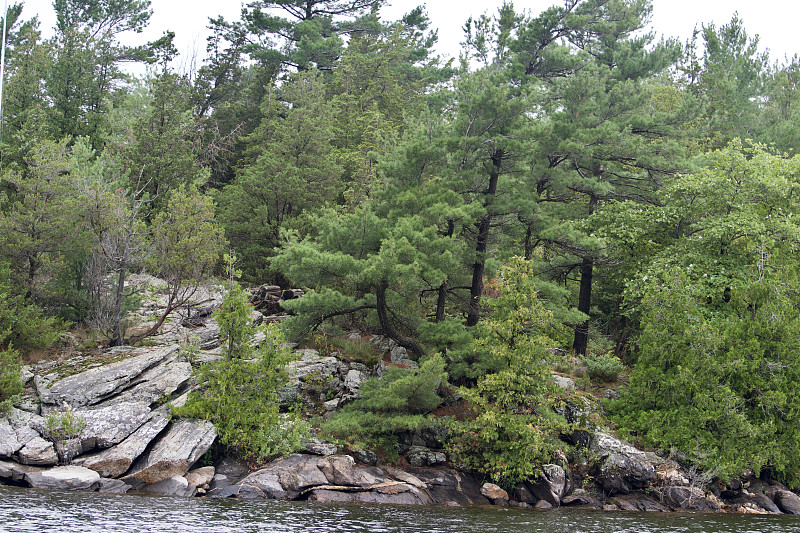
(174, 453)
(38, 452)
(158, 383)
(114, 462)
(110, 425)
(397, 494)
(64, 478)
(289, 477)
(98, 384)
(177, 486)
(12, 472)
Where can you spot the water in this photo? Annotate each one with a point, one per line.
(28, 510)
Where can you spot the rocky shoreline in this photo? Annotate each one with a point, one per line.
(129, 441)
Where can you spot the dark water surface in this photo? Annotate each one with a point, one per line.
(28, 510)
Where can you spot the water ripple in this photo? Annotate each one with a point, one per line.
(34, 511)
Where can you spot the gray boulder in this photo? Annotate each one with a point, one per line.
(112, 486)
(494, 493)
(177, 486)
(688, 499)
(173, 454)
(200, 477)
(450, 487)
(12, 472)
(115, 461)
(111, 424)
(623, 473)
(64, 478)
(550, 485)
(422, 456)
(9, 444)
(39, 452)
(638, 502)
(788, 501)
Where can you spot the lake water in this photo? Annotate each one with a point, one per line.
(28, 510)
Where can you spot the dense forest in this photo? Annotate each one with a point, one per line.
(568, 189)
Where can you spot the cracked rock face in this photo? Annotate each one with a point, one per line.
(174, 453)
(110, 425)
(101, 383)
(115, 461)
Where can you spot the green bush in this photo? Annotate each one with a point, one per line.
(394, 403)
(10, 383)
(719, 383)
(603, 368)
(514, 430)
(63, 428)
(240, 396)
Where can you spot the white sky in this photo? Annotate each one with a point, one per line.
(775, 21)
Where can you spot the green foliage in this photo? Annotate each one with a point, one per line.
(22, 320)
(62, 428)
(240, 397)
(233, 318)
(513, 430)
(11, 385)
(396, 402)
(603, 367)
(719, 386)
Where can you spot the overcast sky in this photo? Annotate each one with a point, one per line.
(775, 21)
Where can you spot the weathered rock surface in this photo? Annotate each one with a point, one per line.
(9, 444)
(787, 501)
(450, 487)
(550, 485)
(113, 462)
(111, 424)
(497, 495)
(101, 383)
(39, 452)
(64, 478)
(638, 502)
(12, 472)
(422, 456)
(200, 477)
(158, 383)
(688, 499)
(619, 474)
(624, 468)
(173, 454)
(112, 486)
(177, 486)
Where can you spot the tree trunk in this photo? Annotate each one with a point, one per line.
(584, 303)
(116, 320)
(386, 324)
(585, 295)
(476, 289)
(441, 299)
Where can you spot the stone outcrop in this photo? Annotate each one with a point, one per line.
(101, 383)
(73, 477)
(173, 454)
(115, 461)
(111, 424)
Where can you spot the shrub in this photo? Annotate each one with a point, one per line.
(10, 383)
(720, 385)
(513, 430)
(603, 368)
(63, 428)
(240, 396)
(395, 403)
